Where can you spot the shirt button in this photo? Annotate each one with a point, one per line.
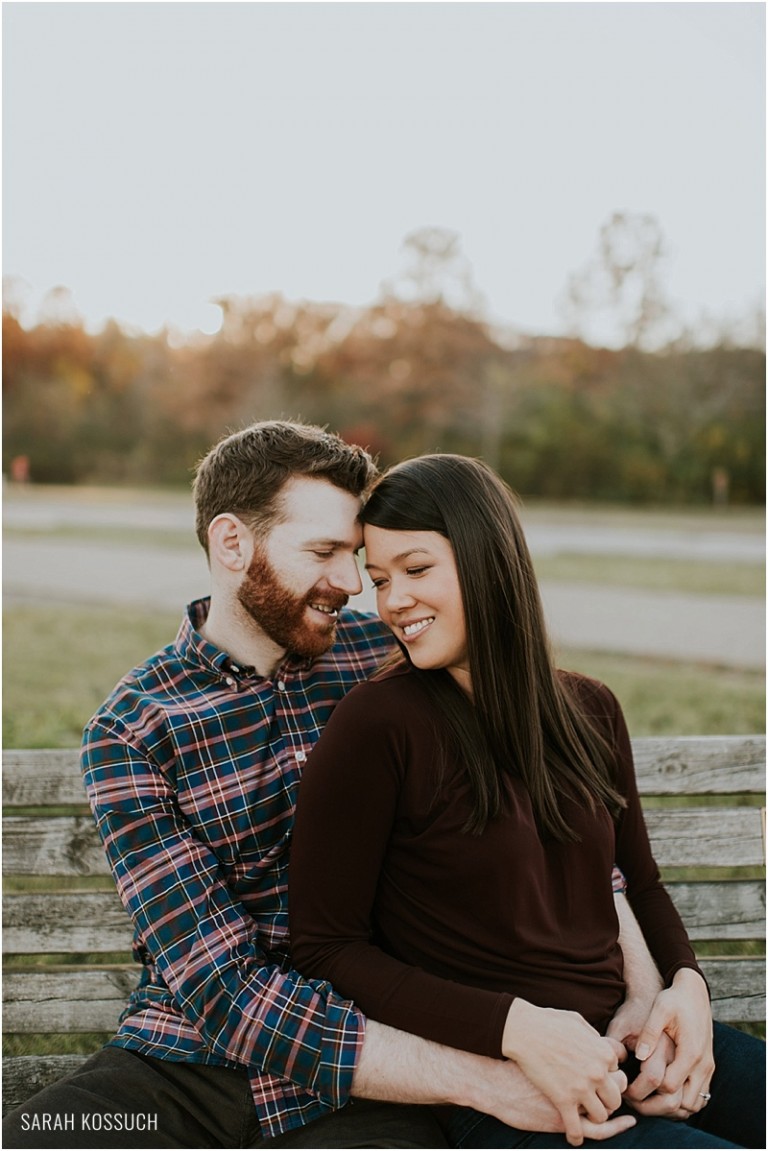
(281, 685)
(229, 681)
(301, 756)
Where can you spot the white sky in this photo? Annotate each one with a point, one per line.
(159, 155)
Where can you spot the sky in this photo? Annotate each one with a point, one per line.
(157, 156)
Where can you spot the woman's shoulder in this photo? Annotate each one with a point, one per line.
(390, 690)
(389, 711)
(594, 697)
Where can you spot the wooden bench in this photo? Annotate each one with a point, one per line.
(48, 831)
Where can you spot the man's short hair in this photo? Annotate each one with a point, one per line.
(244, 473)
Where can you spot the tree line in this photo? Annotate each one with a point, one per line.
(559, 418)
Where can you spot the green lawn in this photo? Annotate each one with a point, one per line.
(664, 697)
(653, 573)
(61, 662)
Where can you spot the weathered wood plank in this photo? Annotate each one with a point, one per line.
(706, 836)
(681, 837)
(36, 923)
(737, 987)
(76, 999)
(700, 765)
(25, 1075)
(46, 922)
(41, 777)
(92, 1000)
(680, 765)
(60, 846)
(726, 909)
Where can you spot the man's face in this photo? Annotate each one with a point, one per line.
(303, 572)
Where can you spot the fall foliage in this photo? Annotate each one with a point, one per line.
(559, 418)
(419, 370)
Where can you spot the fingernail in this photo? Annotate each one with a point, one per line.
(642, 1051)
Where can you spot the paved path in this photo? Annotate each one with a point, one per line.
(727, 630)
(735, 538)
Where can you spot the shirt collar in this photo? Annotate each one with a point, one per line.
(193, 646)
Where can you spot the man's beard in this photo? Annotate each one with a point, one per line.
(282, 614)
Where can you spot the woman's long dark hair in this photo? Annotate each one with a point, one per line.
(522, 719)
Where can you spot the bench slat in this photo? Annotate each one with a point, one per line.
(25, 1075)
(700, 765)
(681, 837)
(39, 923)
(68, 1000)
(706, 836)
(92, 921)
(42, 777)
(737, 987)
(68, 845)
(681, 765)
(725, 909)
(92, 999)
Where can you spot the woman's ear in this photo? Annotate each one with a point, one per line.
(229, 542)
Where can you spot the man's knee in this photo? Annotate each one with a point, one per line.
(119, 1099)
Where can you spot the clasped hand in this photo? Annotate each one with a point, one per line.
(575, 1067)
(674, 1045)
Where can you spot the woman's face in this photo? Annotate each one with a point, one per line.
(419, 598)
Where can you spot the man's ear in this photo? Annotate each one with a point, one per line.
(229, 542)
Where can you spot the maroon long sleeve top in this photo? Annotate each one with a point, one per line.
(435, 931)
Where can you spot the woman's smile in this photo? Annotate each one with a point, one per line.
(412, 631)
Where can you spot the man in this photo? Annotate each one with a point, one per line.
(191, 767)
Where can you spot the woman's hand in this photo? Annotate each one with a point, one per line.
(569, 1062)
(675, 1047)
(627, 1026)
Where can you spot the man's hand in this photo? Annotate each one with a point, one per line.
(407, 1069)
(510, 1097)
(568, 1061)
(629, 1021)
(675, 1047)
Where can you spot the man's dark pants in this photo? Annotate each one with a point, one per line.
(119, 1098)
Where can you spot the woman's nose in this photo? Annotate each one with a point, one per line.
(397, 596)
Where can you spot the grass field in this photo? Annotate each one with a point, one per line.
(654, 574)
(60, 663)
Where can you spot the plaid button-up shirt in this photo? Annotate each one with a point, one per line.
(191, 768)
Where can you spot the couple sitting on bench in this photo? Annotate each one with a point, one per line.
(453, 858)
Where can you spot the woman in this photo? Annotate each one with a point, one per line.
(459, 820)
